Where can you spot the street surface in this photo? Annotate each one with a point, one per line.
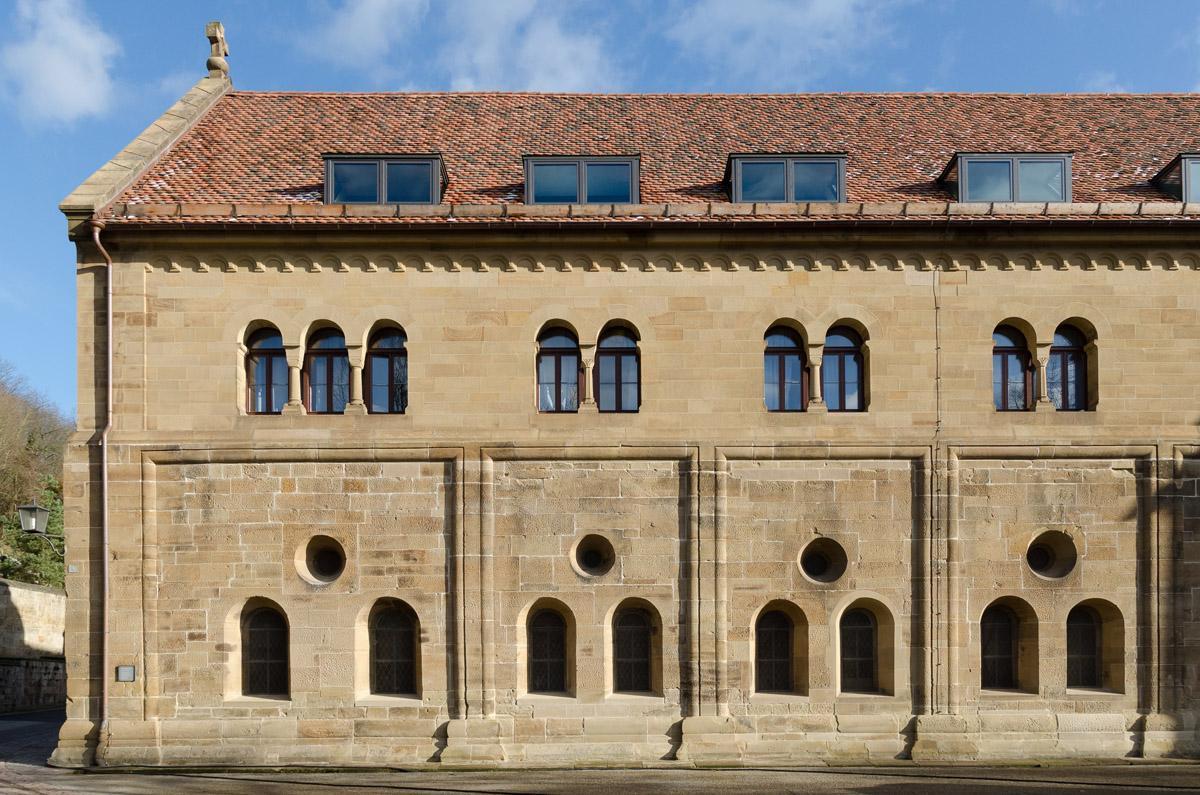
(26, 740)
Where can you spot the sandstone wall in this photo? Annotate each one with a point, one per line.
(32, 669)
(469, 506)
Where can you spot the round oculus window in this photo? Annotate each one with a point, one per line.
(823, 560)
(594, 555)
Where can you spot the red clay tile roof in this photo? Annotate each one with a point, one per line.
(267, 147)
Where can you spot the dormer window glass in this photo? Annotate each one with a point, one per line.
(574, 180)
(383, 180)
(789, 178)
(1012, 178)
(1181, 178)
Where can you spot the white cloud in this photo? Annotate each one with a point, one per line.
(1104, 82)
(58, 68)
(370, 34)
(525, 45)
(780, 44)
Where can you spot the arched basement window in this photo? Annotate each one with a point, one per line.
(264, 653)
(547, 652)
(860, 652)
(394, 631)
(998, 648)
(773, 662)
(633, 642)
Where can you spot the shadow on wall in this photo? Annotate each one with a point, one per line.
(32, 668)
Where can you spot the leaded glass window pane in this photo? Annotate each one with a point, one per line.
(394, 635)
(547, 653)
(264, 653)
(632, 647)
(1083, 648)
(998, 648)
(773, 653)
(859, 663)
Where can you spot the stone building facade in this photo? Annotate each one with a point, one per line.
(32, 669)
(701, 581)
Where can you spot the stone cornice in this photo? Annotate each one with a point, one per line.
(680, 260)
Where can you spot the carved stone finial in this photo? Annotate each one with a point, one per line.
(217, 65)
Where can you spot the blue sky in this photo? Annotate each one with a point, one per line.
(80, 78)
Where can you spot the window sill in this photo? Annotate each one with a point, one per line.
(258, 701)
(778, 698)
(378, 700)
(1093, 692)
(997, 694)
(544, 698)
(635, 698)
(867, 698)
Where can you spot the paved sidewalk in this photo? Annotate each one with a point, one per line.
(26, 741)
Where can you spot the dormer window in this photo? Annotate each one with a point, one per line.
(581, 180)
(1010, 177)
(384, 180)
(788, 178)
(1181, 178)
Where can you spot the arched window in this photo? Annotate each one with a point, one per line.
(1012, 376)
(264, 653)
(860, 652)
(618, 379)
(394, 636)
(326, 373)
(633, 645)
(558, 371)
(266, 372)
(842, 370)
(998, 648)
(773, 662)
(386, 373)
(1066, 371)
(785, 375)
(1083, 647)
(547, 652)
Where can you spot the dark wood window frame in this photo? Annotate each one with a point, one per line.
(1062, 355)
(265, 653)
(270, 356)
(547, 655)
(999, 648)
(774, 657)
(617, 355)
(328, 356)
(843, 355)
(780, 355)
(395, 643)
(389, 354)
(633, 651)
(1085, 654)
(851, 634)
(1000, 358)
(557, 355)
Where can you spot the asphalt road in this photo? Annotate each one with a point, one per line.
(26, 741)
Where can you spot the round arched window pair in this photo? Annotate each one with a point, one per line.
(786, 373)
(325, 378)
(1066, 370)
(616, 379)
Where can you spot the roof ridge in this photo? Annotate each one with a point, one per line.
(722, 94)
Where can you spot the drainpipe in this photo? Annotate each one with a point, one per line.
(97, 226)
